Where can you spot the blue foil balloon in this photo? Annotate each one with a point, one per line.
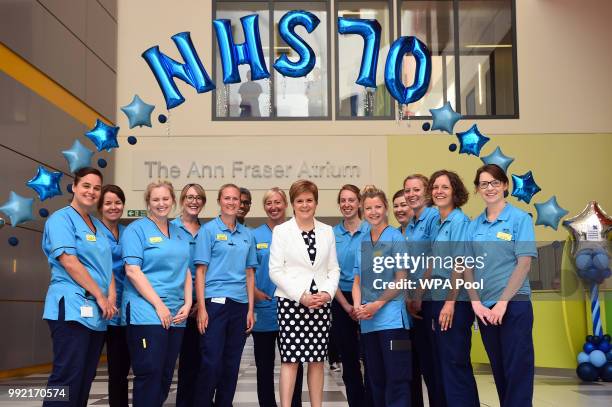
(393, 69)
(471, 141)
(165, 69)
(103, 136)
(369, 30)
(524, 187)
(18, 208)
(444, 118)
(78, 156)
(250, 52)
(498, 158)
(138, 112)
(46, 183)
(286, 29)
(550, 213)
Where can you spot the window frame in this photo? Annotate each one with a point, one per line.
(271, 31)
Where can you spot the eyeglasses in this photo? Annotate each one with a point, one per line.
(485, 184)
(191, 198)
(245, 203)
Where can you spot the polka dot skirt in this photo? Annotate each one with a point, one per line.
(303, 332)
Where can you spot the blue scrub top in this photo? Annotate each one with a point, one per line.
(163, 260)
(66, 232)
(118, 268)
(419, 235)
(227, 254)
(347, 246)
(393, 314)
(504, 240)
(448, 241)
(265, 311)
(192, 242)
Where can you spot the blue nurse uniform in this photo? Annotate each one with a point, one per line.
(227, 254)
(510, 344)
(154, 350)
(77, 326)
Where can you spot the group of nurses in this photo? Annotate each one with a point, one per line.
(265, 331)
(345, 327)
(225, 259)
(384, 319)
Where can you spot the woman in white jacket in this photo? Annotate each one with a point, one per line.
(304, 267)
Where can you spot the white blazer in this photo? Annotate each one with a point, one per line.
(290, 266)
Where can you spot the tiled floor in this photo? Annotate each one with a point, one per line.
(549, 390)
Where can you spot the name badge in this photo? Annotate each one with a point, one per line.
(155, 239)
(504, 236)
(262, 245)
(377, 253)
(221, 236)
(218, 300)
(87, 311)
(90, 238)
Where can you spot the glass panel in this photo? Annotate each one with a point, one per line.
(486, 57)
(247, 98)
(432, 23)
(355, 100)
(304, 96)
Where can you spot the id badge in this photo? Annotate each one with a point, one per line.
(218, 300)
(86, 311)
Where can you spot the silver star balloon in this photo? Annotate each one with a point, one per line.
(591, 228)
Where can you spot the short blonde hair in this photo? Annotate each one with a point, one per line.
(159, 184)
(272, 191)
(199, 190)
(301, 186)
(370, 191)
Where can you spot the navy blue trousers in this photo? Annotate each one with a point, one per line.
(389, 371)
(510, 350)
(189, 365)
(154, 351)
(76, 352)
(453, 347)
(264, 346)
(221, 349)
(346, 332)
(118, 360)
(424, 336)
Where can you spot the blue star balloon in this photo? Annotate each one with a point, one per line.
(471, 141)
(46, 183)
(550, 213)
(524, 187)
(18, 208)
(138, 112)
(444, 118)
(498, 158)
(78, 156)
(103, 136)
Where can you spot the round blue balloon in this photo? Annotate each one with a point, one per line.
(607, 338)
(588, 347)
(13, 241)
(601, 261)
(426, 126)
(604, 346)
(584, 261)
(605, 372)
(102, 163)
(583, 358)
(162, 118)
(587, 372)
(592, 275)
(609, 356)
(597, 358)
(132, 140)
(589, 338)
(452, 147)
(43, 212)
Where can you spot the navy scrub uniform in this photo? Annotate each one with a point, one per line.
(344, 328)
(509, 345)
(418, 235)
(453, 346)
(265, 332)
(154, 350)
(76, 324)
(227, 254)
(117, 352)
(189, 358)
(386, 336)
